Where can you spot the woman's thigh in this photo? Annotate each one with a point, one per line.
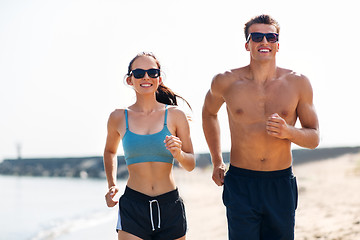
(182, 238)
(122, 235)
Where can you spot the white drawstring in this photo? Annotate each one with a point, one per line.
(151, 215)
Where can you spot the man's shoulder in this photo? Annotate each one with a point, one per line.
(292, 76)
(223, 81)
(297, 81)
(230, 75)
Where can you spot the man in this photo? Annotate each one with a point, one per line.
(263, 102)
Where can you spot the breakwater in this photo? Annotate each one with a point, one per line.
(92, 167)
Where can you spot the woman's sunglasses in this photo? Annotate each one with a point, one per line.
(258, 37)
(140, 73)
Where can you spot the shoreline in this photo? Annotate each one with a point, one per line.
(328, 207)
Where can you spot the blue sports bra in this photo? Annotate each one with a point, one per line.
(146, 148)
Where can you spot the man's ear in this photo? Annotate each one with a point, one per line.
(247, 46)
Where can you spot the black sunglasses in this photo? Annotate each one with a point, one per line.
(140, 73)
(258, 37)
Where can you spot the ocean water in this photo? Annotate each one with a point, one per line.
(38, 208)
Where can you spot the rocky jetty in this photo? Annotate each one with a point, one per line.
(93, 167)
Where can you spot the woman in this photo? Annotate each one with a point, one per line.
(153, 135)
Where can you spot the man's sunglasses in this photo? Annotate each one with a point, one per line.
(258, 37)
(140, 73)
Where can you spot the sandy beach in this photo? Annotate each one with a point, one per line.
(329, 201)
(328, 209)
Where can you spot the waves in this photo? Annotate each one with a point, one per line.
(58, 228)
(42, 208)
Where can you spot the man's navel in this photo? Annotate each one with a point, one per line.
(239, 111)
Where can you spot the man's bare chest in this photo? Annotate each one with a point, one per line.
(248, 103)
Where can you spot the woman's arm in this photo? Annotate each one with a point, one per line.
(110, 157)
(180, 145)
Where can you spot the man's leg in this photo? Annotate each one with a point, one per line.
(280, 201)
(241, 200)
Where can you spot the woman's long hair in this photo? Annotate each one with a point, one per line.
(163, 94)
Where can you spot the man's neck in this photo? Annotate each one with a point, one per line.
(262, 72)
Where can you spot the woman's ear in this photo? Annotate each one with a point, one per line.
(160, 80)
(128, 81)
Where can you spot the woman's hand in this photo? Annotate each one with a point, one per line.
(173, 144)
(110, 195)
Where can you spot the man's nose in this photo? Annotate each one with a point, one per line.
(264, 40)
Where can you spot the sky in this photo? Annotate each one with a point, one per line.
(63, 62)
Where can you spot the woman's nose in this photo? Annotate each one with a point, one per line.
(146, 76)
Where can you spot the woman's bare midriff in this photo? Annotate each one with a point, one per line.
(151, 178)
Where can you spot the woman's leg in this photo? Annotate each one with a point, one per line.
(182, 238)
(122, 235)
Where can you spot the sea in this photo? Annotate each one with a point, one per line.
(44, 208)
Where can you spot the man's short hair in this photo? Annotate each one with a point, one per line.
(262, 19)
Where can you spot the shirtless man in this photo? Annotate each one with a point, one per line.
(263, 102)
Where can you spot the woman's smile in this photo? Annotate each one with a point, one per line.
(146, 85)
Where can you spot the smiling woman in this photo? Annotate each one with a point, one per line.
(153, 134)
(163, 94)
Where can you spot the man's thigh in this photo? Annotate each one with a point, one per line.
(242, 204)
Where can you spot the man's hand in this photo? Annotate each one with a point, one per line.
(277, 127)
(219, 173)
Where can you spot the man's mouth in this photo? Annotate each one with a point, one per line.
(264, 50)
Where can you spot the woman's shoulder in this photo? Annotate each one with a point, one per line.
(178, 115)
(118, 112)
(117, 115)
(176, 111)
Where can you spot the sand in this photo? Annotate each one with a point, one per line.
(328, 209)
(203, 203)
(329, 201)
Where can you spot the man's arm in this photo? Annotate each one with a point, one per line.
(308, 135)
(211, 128)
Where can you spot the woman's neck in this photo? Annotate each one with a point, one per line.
(146, 104)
